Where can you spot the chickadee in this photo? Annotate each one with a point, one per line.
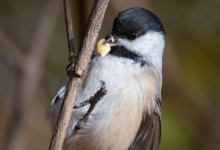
(128, 116)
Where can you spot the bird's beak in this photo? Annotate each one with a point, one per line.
(110, 39)
(104, 45)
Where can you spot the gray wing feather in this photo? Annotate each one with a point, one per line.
(149, 134)
(54, 109)
(60, 93)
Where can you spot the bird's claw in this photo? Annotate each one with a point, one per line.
(69, 67)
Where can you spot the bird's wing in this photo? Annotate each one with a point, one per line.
(54, 108)
(58, 98)
(60, 93)
(149, 133)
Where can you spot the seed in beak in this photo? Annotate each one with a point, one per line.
(104, 49)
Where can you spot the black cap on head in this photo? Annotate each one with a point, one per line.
(134, 22)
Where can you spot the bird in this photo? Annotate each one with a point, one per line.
(128, 114)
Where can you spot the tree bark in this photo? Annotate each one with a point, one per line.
(77, 77)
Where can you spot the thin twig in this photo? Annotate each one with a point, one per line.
(69, 28)
(75, 83)
(70, 37)
(93, 27)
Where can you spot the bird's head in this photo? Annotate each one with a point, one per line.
(137, 34)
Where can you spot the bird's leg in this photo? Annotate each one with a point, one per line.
(69, 67)
(80, 105)
(92, 101)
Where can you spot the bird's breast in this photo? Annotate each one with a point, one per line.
(116, 119)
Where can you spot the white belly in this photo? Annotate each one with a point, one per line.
(115, 120)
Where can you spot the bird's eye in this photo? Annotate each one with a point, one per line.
(132, 36)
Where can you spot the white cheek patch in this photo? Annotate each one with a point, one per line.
(150, 45)
(143, 44)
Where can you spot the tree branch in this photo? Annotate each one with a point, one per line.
(70, 37)
(69, 28)
(76, 80)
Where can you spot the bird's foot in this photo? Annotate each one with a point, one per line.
(92, 101)
(70, 66)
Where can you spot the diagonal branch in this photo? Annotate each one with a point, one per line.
(69, 27)
(70, 37)
(76, 80)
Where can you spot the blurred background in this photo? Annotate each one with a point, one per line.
(33, 57)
